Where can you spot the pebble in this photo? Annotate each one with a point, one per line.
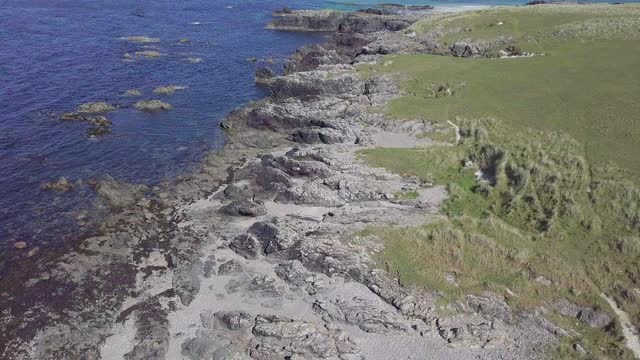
(20, 245)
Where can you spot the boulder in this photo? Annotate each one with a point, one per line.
(465, 48)
(266, 286)
(270, 176)
(273, 236)
(238, 191)
(247, 246)
(244, 208)
(594, 318)
(230, 267)
(310, 193)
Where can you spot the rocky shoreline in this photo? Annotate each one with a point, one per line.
(261, 253)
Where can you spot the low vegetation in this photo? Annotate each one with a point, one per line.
(585, 81)
(528, 217)
(543, 195)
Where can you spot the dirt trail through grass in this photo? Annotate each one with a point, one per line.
(630, 332)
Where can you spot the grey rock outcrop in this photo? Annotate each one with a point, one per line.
(243, 208)
(284, 338)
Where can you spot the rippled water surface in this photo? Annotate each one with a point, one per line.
(55, 55)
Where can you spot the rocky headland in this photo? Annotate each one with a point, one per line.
(261, 253)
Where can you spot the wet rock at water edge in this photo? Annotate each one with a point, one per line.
(62, 185)
(265, 75)
(152, 106)
(117, 194)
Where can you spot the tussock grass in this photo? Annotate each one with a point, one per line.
(539, 210)
(544, 182)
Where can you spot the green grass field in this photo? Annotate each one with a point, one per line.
(557, 138)
(586, 84)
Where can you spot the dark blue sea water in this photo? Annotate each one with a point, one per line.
(55, 55)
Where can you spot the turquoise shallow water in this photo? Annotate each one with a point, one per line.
(57, 55)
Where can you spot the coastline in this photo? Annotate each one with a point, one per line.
(266, 240)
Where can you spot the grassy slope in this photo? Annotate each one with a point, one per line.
(585, 85)
(553, 209)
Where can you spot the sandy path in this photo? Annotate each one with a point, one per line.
(629, 331)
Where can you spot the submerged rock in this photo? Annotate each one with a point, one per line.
(148, 53)
(168, 90)
(140, 39)
(100, 125)
(63, 185)
(117, 194)
(152, 105)
(133, 92)
(95, 107)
